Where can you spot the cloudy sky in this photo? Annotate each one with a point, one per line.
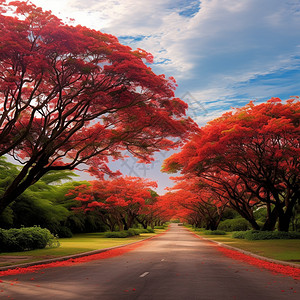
(223, 53)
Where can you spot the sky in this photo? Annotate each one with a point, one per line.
(222, 53)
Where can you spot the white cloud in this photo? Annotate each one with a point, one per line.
(219, 47)
(225, 54)
(225, 38)
(217, 52)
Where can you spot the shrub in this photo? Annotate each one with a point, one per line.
(265, 235)
(64, 232)
(199, 229)
(238, 224)
(260, 214)
(160, 227)
(239, 234)
(214, 232)
(25, 238)
(133, 231)
(127, 233)
(142, 230)
(116, 234)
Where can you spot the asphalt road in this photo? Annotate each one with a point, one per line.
(176, 265)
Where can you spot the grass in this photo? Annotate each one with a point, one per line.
(286, 250)
(79, 243)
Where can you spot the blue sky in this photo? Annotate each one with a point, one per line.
(223, 53)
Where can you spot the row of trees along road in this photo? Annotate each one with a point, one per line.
(123, 202)
(65, 206)
(246, 159)
(72, 97)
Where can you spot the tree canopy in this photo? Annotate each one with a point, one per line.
(250, 157)
(71, 97)
(120, 202)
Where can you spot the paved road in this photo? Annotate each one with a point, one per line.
(176, 265)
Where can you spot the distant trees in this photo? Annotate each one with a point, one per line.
(250, 158)
(121, 202)
(195, 202)
(45, 204)
(70, 97)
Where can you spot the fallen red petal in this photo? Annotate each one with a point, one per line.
(275, 268)
(74, 261)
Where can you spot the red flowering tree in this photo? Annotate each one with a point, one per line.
(118, 201)
(149, 214)
(202, 206)
(251, 152)
(72, 96)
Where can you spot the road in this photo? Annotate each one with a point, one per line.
(175, 265)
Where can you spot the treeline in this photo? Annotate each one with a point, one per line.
(64, 206)
(247, 160)
(122, 202)
(46, 205)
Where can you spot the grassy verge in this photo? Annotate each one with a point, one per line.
(286, 250)
(79, 243)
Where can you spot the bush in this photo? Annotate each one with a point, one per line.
(116, 234)
(199, 229)
(238, 224)
(265, 235)
(160, 227)
(239, 234)
(260, 214)
(64, 232)
(26, 238)
(133, 231)
(127, 233)
(214, 232)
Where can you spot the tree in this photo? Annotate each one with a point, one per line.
(150, 211)
(202, 206)
(38, 205)
(70, 97)
(254, 152)
(118, 201)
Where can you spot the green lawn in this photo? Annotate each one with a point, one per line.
(286, 250)
(79, 243)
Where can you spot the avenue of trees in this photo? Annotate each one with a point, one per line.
(247, 159)
(122, 202)
(75, 98)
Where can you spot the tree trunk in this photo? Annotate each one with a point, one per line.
(248, 216)
(120, 225)
(271, 220)
(246, 212)
(24, 180)
(285, 217)
(125, 224)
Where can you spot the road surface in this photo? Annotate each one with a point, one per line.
(175, 265)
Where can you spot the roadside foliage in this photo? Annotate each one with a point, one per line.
(121, 202)
(249, 158)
